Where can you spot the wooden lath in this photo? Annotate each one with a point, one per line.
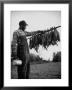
(42, 32)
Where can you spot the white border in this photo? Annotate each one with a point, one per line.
(64, 8)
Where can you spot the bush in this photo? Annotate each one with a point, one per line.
(36, 59)
(57, 57)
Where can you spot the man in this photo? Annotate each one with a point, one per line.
(20, 50)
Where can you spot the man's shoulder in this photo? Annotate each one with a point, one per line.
(16, 32)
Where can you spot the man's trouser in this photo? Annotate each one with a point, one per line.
(23, 71)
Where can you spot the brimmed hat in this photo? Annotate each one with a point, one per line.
(22, 23)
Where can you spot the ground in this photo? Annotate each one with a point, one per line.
(50, 70)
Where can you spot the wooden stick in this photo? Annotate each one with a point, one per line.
(42, 32)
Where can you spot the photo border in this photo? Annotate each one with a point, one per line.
(2, 27)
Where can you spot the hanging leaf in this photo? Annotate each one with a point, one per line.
(44, 38)
(57, 35)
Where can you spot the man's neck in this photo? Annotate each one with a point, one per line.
(21, 29)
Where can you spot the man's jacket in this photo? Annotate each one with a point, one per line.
(19, 46)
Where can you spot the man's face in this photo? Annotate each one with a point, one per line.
(23, 27)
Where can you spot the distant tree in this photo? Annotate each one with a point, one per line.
(57, 57)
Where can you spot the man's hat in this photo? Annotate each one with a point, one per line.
(22, 23)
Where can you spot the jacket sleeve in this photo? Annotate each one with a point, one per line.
(14, 45)
(30, 33)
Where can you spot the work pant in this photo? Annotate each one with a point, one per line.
(23, 71)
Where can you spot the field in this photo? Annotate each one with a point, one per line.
(50, 70)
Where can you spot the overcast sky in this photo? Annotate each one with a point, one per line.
(36, 20)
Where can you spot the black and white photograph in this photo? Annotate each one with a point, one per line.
(35, 44)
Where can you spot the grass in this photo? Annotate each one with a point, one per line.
(51, 70)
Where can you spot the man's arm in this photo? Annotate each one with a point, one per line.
(31, 33)
(14, 45)
(41, 32)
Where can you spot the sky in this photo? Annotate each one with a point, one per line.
(37, 20)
